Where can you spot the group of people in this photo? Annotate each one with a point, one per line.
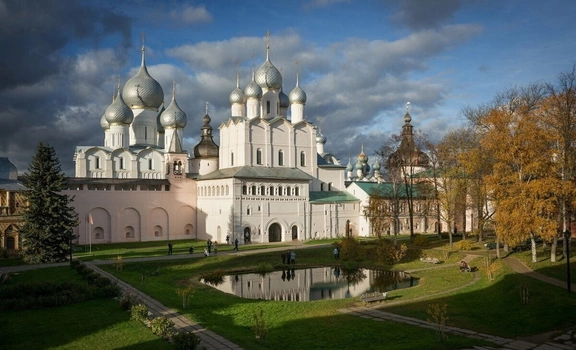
(211, 246)
(289, 257)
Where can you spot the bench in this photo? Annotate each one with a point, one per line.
(430, 260)
(370, 297)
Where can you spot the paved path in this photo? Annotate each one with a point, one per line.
(210, 340)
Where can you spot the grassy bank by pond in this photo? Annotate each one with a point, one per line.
(492, 307)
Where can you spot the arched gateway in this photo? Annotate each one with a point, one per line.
(275, 233)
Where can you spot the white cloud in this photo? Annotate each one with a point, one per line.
(190, 15)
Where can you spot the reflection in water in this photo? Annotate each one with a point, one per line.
(314, 284)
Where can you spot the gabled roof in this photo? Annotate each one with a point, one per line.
(331, 197)
(257, 172)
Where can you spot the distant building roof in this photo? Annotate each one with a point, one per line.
(8, 170)
(387, 189)
(319, 197)
(257, 172)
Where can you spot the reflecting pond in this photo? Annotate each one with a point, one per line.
(319, 283)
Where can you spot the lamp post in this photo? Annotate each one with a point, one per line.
(567, 235)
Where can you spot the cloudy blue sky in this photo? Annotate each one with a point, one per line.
(360, 62)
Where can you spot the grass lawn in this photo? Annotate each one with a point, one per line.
(313, 325)
(95, 324)
(473, 302)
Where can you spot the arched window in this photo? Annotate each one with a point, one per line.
(232, 159)
(296, 191)
(330, 186)
(145, 133)
(302, 158)
(253, 190)
(280, 158)
(150, 164)
(121, 161)
(322, 187)
(244, 189)
(267, 107)
(279, 191)
(259, 156)
(262, 190)
(288, 191)
(271, 191)
(248, 211)
(226, 189)
(97, 161)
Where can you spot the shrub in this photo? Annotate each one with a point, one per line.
(420, 241)
(463, 245)
(139, 313)
(351, 250)
(259, 327)
(413, 254)
(185, 341)
(110, 291)
(390, 254)
(128, 300)
(263, 268)
(162, 326)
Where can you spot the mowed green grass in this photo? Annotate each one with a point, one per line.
(313, 325)
(473, 302)
(96, 324)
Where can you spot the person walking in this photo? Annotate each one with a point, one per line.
(227, 239)
(215, 247)
(293, 257)
(336, 253)
(236, 244)
(169, 248)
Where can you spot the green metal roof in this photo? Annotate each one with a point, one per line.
(387, 189)
(331, 197)
(257, 172)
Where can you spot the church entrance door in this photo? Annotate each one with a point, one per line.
(275, 233)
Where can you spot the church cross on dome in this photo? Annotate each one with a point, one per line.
(267, 45)
(207, 103)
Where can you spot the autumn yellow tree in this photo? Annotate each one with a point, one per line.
(522, 179)
(558, 114)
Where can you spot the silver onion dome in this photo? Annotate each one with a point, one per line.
(173, 116)
(142, 91)
(320, 138)
(253, 90)
(349, 167)
(104, 123)
(297, 95)
(118, 112)
(284, 100)
(237, 96)
(268, 76)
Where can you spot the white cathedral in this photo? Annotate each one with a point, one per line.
(270, 180)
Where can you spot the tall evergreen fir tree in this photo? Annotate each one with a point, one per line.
(49, 219)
